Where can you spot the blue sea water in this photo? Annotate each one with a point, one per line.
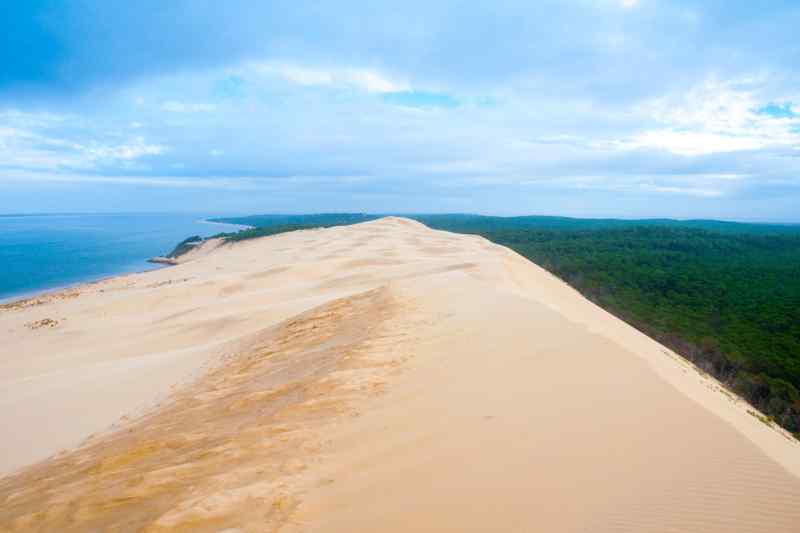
(40, 252)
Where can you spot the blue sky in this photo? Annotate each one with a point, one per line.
(627, 108)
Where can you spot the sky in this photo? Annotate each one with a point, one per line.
(591, 108)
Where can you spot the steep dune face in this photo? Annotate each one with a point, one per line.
(377, 377)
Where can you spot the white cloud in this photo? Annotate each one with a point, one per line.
(692, 143)
(299, 75)
(165, 181)
(688, 191)
(355, 78)
(174, 106)
(244, 183)
(133, 149)
(373, 81)
(700, 185)
(715, 117)
(629, 4)
(33, 141)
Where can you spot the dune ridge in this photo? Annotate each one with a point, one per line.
(367, 378)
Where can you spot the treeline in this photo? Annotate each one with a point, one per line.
(264, 231)
(468, 223)
(724, 295)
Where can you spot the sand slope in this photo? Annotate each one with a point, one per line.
(377, 377)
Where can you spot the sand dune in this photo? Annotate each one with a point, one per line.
(376, 377)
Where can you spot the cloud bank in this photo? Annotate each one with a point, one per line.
(588, 107)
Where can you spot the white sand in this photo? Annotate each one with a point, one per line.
(377, 377)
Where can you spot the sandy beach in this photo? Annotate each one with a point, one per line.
(376, 377)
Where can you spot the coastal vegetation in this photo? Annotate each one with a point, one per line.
(185, 245)
(261, 231)
(724, 295)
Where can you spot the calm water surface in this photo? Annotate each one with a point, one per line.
(40, 252)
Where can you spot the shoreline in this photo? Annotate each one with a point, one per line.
(138, 269)
(51, 291)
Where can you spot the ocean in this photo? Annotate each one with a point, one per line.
(42, 252)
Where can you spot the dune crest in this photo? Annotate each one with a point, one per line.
(375, 377)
